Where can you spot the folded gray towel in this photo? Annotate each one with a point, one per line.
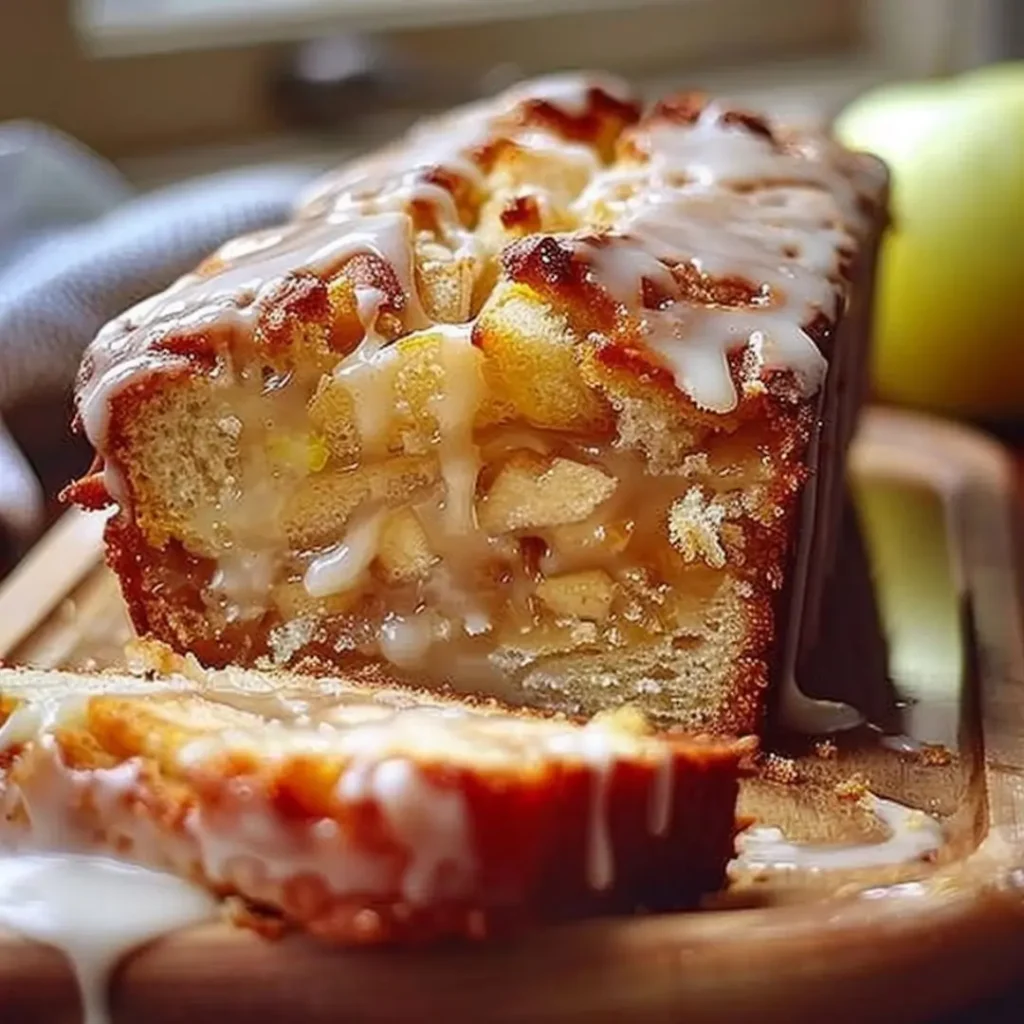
(76, 249)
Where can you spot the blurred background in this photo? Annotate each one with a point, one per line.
(137, 134)
(169, 87)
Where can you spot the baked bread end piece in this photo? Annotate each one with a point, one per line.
(548, 402)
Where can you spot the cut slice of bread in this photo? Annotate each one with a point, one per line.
(361, 814)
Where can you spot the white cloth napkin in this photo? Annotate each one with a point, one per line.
(78, 247)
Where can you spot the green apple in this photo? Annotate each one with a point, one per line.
(950, 326)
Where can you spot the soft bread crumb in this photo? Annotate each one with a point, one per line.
(694, 527)
(854, 787)
(289, 638)
(776, 768)
(935, 755)
(152, 657)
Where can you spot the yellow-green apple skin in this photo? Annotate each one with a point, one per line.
(949, 331)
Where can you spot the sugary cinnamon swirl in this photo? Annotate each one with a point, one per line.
(547, 401)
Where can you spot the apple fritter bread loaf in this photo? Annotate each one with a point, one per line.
(523, 405)
(364, 816)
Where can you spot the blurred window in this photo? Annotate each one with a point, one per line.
(121, 26)
(909, 36)
(134, 77)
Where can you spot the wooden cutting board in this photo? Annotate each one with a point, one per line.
(936, 503)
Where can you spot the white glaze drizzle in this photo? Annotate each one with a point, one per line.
(242, 579)
(364, 209)
(900, 744)
(600, 856)
(593, 746)
(428, 820)
(405, 639)
(659, 808)
(343, 566)
(208, 300)
(576, 154)
(448, 144)
(94, 910)
(455, 409)
(368, 375)
(913, 835)
(784, 237)
(56, 886)
(245, 841)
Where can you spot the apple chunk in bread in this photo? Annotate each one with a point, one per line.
(579, 595)
(531, 491)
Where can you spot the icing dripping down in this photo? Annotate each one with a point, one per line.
(428, 820)
(341, 567)
(368, 376)
(900, 744)
(405, 640)
(455, 409)
(94, 910)
(597, 753)
(600, 860)
(226, 299)
(659, 815)
(784, 242)
(913, 836)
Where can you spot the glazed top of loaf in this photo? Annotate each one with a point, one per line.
(698, 233)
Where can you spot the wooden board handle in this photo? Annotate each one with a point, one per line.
(48, 573)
